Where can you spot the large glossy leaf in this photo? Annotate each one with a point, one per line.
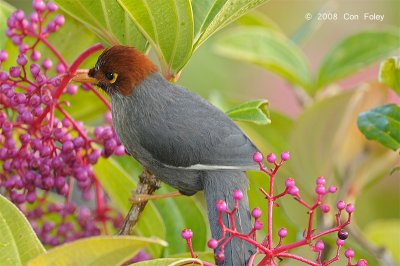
(389, 73)
(356, 52)
(168, 25)
(268, 49)
(100, 250)
(18, 242)
(254, 111)
(169, 262)
(382, 124)
(119, 186)
(107, 20)
(180, 213)
(220, 14)
(5, 12)
(385, 233)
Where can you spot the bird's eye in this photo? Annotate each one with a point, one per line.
(112, 77)
(109, 75)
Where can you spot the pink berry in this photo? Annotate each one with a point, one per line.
(319, 245)
(362, 262)
(187, 233)
(34, 17)
(47, 64)
(285, 156)
(35, 55)
(341, 205)
(332, 189)
(256, 213)
(15, 72)
(271, 158)
(52, 6)
(59, 20)
(350, 208)
(238, 194)
(108, 117)
(349, 253)
(3, 76)
(325, 208)
(221, 205)
(339, 242)
(119, 150)
(219, 256)
(290, 182)
(294, 191)
(19, 14)
(212, 243)
(39, 6)
(60, 68)
(258, 225)
(3, 56)
(72, 89)
(22, 60)
(282, 232)
(320, 189)
(35, 69)
(320, 180)
(257, 157)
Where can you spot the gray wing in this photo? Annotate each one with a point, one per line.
(184, 130)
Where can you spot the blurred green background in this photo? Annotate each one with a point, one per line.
(322, 137)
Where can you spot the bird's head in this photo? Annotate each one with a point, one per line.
(118, 70)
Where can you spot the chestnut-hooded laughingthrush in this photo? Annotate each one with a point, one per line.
(179, 137)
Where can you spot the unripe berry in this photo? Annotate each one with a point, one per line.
(219, 256)
(3, 56)
(39, 6)
(285, 156)
(271, 158)
(294, 191)
(362, 262)
(221, 205)
(341, 205)
(238, 194)
(35, 69)
(325, 208)
(3, 76)
(349, 253)
(52, 6)
(60, 68)
(258, 225)
(339, 242)
(320, 189)
(59, 20)
(47, 64)
(35, 55)
(187, 233)
(350, 208)
(34, 17)
(257, 157)
(320, 180)
(120, 150)
(256, 213)
(72, 89)
(212, 243)
(319, 245)
(332, 189)
(282, 233)
(15, 71)
(22, 60)
(290, 182)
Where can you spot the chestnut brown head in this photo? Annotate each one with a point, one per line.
(119, 69)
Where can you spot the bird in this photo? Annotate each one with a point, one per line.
(181, 138)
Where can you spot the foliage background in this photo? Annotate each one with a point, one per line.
(323, 137)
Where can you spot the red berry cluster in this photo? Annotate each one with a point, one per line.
(270, 251)
(43, 149)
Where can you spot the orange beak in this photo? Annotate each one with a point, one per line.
(84, 77)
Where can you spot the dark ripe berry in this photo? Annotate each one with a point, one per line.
(343, 235)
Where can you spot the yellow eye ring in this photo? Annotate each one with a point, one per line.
(112, 77)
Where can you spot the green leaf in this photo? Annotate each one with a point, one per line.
(100, 250)
(18, 242)
(168, 25)
(220, 14)
(180, 213)
(107, 20)
(119, 186)
(389, 73)
(382, 124)
(5, 11)
(355, 53)
(269, 49)
(386, 234)
(203, 256)
(258, 19)
(254, 111)
(168, 262)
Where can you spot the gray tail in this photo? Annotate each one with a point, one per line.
(220, 185)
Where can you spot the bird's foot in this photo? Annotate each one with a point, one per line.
(138, 198)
